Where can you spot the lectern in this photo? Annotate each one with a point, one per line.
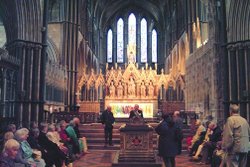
(136, 148)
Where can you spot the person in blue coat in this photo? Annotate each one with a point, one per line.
(168, 140)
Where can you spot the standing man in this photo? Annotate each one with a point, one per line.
(236, 138)
(135, 112)
(179, 124)
(108, 119)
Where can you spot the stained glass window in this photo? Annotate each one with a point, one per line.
(154, 46)
(132, 29)
(120, 43)
(144, 41)
(110, 47)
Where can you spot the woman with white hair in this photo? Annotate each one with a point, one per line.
(9, 153)
(26, 152)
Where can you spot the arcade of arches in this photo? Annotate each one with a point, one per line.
(85, 54)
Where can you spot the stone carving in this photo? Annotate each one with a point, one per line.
(150, 89)
(112, 90)
(143, 90)
(131, 87)
(120, 90)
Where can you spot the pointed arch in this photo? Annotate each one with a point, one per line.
(110, 46)
(132, 29)
(154, 46)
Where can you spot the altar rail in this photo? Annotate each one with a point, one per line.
(85, 117)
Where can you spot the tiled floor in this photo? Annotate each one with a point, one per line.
(104, 159)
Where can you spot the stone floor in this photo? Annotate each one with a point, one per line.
(104, 159)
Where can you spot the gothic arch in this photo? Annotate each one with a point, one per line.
(21, 19)
(238, 21)
(53, 52)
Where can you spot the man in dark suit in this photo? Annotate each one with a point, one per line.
(108, 119)
(135, 112)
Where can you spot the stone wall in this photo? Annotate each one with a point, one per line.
(201, 87)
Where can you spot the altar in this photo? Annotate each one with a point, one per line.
(122, 108)
(122, 87)
(125, 88)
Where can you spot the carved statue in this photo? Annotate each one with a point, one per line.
(120, 90)
(150, 89)
(112, 90)
(131, 52)
(143, 90)
(131, 87)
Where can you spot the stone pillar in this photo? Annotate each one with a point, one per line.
(242, 80)
(233, 75)
(27, 101)
(138, 40)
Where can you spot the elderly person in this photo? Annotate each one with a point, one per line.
(9, 154)
(210, 145)
(136, 112)
(25, 151)
(236, 138)
(83, 140)
(54, 155)
(54, 136)
(11, 128)
(77, 148)
(197, 138)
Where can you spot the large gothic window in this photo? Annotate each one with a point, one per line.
(154, 46)
(132, 29)
(120, 43)
(133, 32)
(109, 46)
(144, 46)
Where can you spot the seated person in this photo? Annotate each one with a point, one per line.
(11, 128)
(54, 155)
(196, 138)
(77, 148)
(9, 154)
(82, 140)
(135, 112)
(54, 136)
(26, 152)
(210, 145)
(206, 139)
(67, 140)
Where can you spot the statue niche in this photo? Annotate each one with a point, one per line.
(131, 87)
(143, 90)
(120, 90)
(112, 90)
(150, 89)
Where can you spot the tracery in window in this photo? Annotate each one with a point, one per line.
(131, 29)
(144, 41)
(109, 46)
(154, 46)
(120, 42)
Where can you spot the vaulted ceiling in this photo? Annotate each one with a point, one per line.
(107, 9)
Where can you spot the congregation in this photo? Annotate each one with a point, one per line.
(43, 145)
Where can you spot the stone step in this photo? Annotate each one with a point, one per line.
(100, 146)
(95, 136)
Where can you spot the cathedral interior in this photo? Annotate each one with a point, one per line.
(78, 56)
